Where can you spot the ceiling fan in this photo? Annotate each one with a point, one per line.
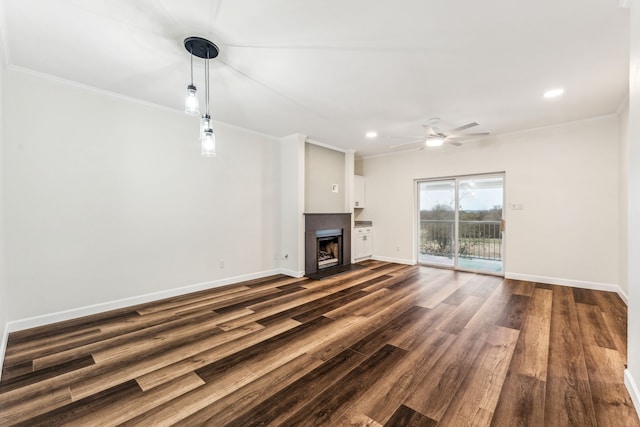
(436, 137)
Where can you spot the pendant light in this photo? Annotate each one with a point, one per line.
(191, 102)
(206, 50)
(208, 142)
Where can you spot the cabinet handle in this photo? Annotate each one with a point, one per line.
(364, 237)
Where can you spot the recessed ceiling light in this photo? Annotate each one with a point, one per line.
(371, 134)
(553, 93)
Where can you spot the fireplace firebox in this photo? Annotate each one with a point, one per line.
(327, 242)
(329, 251)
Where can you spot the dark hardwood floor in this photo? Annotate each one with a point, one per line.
(388, 344)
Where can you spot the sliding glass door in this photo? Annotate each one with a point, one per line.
(436, 201)
(460, 223)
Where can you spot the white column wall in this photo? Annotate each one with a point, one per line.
(632, 375)
(4, 291)
(292, 186)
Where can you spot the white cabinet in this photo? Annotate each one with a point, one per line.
(363, 242)
(358, 191)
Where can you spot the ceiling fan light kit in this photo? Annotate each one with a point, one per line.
(553, 93)
(436, 137)
(435, 141)
(202, 48)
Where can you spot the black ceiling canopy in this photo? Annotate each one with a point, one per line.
(200, 47)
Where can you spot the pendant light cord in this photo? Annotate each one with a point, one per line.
(206, 87)
(191, 50)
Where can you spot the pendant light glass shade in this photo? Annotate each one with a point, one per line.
(208, 143)
(205, 123)
(191, 102)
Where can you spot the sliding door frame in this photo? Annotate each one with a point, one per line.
(456, 233)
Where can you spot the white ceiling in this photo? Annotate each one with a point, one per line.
(333, 69)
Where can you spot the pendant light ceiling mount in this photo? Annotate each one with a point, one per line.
(202, 48)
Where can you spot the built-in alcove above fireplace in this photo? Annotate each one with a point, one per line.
(327, 240)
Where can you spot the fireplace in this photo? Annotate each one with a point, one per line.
(327, 243)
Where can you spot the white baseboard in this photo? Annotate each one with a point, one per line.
(3, 345)
(291, 273)
(46, 319)
(571, 283)
(395, 260)
(632, 387)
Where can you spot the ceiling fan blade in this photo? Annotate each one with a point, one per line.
(407, 143)
(463, 127)
(468, 135)
(457, 144)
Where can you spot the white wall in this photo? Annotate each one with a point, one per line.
(324, 168)
(565, 176)
(623, 189)
(4, 293)
(292, 155)
(632, 375)
(108, 199)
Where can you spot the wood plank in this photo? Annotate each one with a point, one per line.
(522, 403)
(458, 319)
(568, 396)
(532, 351)
(381, 336)
(477, 397)
(330, 404)
(493, 309)
(520, 287)
(613, 405)
(36, 404)
(209, 352)
(584, 296)
(517, 310)
(434, 396)
(245, 401)
(289, 400)
(403, 380)
(405, 416)
(593, 327)
(34, 377)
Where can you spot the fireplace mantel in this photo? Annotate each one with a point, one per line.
(315, 222)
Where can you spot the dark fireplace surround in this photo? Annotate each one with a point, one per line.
(328, 234)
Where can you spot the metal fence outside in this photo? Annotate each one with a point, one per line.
(476, 239)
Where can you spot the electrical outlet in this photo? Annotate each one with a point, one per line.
(221, 263)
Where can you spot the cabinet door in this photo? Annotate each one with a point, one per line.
(367, 245)
(358, 191)
(358, 249)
